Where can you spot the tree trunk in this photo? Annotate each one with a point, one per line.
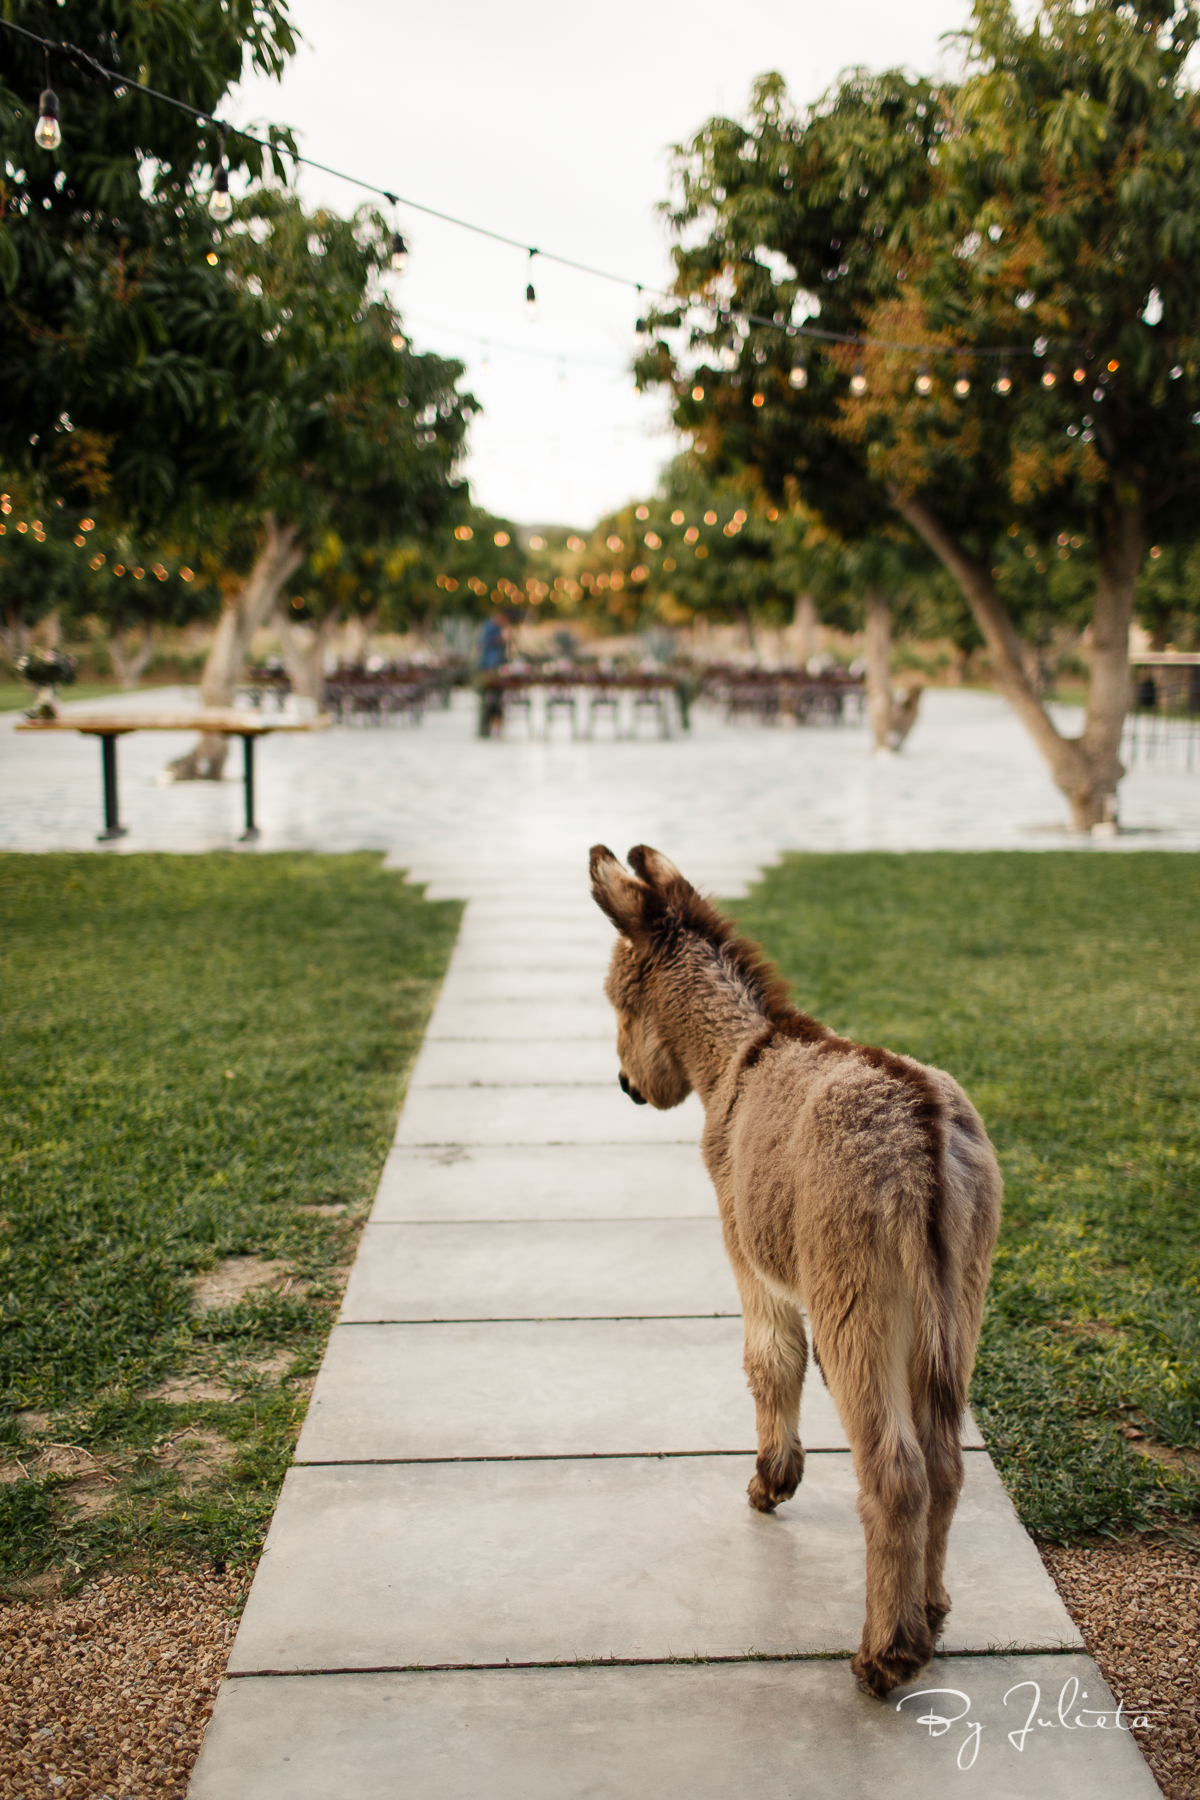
(244, 614)
(304, 648)
(358, 637)
(130, 653)
(1086, 769)
(879, 672)
(14, 637)
(804, 625)
(893, 711)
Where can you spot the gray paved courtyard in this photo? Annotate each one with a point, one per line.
(514, 1556)
(733, 797)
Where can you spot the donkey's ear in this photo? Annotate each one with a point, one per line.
(655, 869)
(615, 892)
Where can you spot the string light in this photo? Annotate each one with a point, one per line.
(220, 205)
(1050, 377)
(799, 374)
(399, 253)
(1004, 380)
(47, 134)
(924, 383)
(962, 381)
(858, 381)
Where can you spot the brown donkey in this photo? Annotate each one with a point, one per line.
(854, 1183)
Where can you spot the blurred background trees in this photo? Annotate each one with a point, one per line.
(1044, 199)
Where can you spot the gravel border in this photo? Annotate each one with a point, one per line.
(105, 1695)
(1137, 1604)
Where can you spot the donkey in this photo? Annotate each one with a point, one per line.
(854, 1183)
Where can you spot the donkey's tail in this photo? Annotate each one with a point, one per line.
(945, 1246)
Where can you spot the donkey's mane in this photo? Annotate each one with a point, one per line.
(671, 908)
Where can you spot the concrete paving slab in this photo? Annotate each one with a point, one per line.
(519, 1062)
(544, 1181)
(565, 934)
(595, 1387)
(524, 1019)
(681, 1732)
(563, 982)
(578, 912)
(595, 1269)
(534, 954)
(397, 1565)
(544, 1115)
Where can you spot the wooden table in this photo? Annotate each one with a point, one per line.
(225, 722)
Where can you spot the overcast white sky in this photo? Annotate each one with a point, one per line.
(550, 124)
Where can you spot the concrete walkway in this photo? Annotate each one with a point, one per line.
(515, 1556)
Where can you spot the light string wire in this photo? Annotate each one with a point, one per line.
(724, 314)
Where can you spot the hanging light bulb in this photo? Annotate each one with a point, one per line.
(799, 374)
(46, 133)
(858, 381)
(1050, 377)
(530, 303)
(962, 381)
(1004, 381)
(399, 253)
(924, 383)
(1080, 372)
(641, 331)
(220, 205)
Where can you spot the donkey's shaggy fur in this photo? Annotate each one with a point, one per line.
(854, 1183)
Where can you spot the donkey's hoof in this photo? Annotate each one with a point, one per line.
(936, 1614)
(776, 1477)
(898, 1664)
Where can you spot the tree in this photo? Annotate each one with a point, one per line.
(472, 564)
(361, 436)
(37, 563)
(136, 376)
(1045, 201)
(132, 372)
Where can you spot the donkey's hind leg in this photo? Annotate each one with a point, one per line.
(938, 1428)
(864, 1356)
(775, 1360)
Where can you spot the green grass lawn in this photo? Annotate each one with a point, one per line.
(195, 1049)
(1063, 991)
(17, 696)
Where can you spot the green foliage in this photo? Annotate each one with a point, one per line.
(362, 434)
(459, 570)
(1046, 197)
(129, 368)
(1060, 989)
(172, 1095)
(1168, 600)
(175, 379)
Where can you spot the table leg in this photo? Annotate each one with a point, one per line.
(251, 832)
(108, 753)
